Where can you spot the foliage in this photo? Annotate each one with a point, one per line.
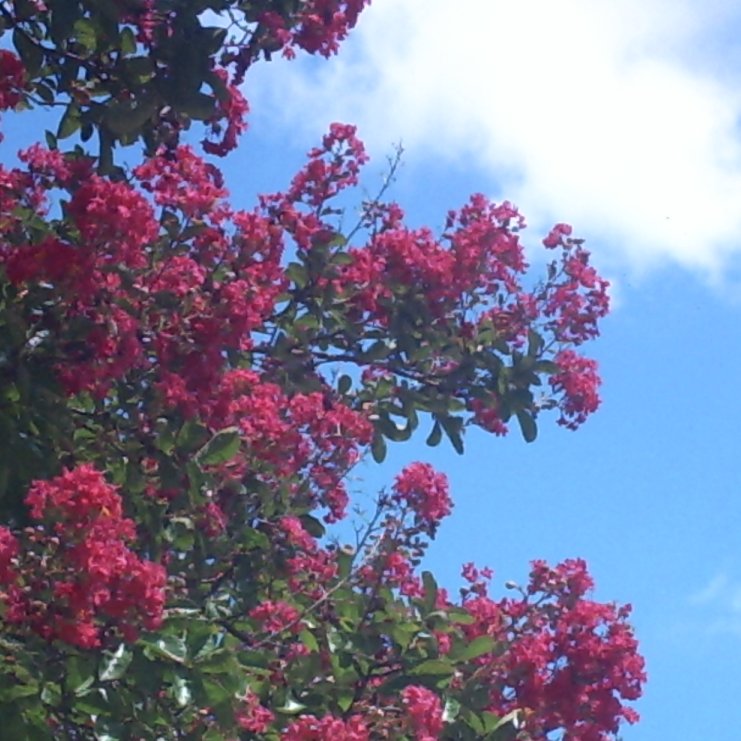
(184, 388)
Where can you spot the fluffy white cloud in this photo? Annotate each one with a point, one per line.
(621, 117)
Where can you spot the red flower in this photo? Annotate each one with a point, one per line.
(425, 491)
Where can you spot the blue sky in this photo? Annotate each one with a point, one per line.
(621, 118)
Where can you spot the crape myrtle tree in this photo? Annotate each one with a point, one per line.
(185, 386)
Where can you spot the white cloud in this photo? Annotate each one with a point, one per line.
(621, 117)
(712, 591)
(719, 604)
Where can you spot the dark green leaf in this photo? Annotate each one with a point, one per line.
(139, 69)
(436, 435)
(29, 52)
(70, 122)
(192, 436)
(127, 40)
(212, 39)
(222, 661)
(86, 34)
(298, 274)
(196, 105)
(506, 728)
(430, 586)
(168, 647)
(180, 691)
(477, 647)
(527, 425)
(291, 707)
(378, 448)
(128, 117)
(309, 640)
(8, 694)
(453, 427)
(344, 384)
(546, 366)
(391, 430)
(114, 665)
(452, 708)
(377, 351)
(222, 447)
(312, 526)
(433, 667)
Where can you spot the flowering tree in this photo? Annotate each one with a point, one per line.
(184, 387)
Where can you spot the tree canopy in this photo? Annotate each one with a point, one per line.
(185, 386)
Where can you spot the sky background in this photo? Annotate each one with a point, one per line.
(621, 118)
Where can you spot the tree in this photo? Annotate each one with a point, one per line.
(184, 387)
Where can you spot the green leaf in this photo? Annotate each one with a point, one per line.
(221, 661)
(534, 344)
(477, 647)
(436, 435)
(222, 447)
(312, 526)
(8, 694)
(506, 728)
(30, 53)
(127, 40)
(139, 69)
(453, 427)
(528, 425)
(298, 274)
(391, 430)
(309, 640)
(70, 122)
(107, 729)
(192, 436)
(115, 664)
(129, 116)
(86, 34)
(216, 690)
(94, 703)
(433, 667)
(211, 39)
(196, 105)
(378, 448)
(168, 647)
(430, 586)
(345, 560)
(344, 384)
(51, 140)
(377, 351)
(180, 691)
(452, 708)
(291, 707)
(459, 615)
(546, 366)
(165, 439)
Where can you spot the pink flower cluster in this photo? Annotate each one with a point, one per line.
(275, 617)
(426, 492)
(579, 382)
(310, 728)
(569, 661)
(77, 574)
(318, 27)
(233, 109)
(12, 80)
(310, 434)
(424, 712)
(252, 716)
